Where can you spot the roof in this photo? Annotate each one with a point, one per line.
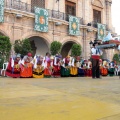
(106, 46)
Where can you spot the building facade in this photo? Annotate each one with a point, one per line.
(19, 22)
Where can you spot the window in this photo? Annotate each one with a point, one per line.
(38, 3)
(70, 8)
(97, 16)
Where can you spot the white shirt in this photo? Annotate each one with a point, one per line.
(95, 50)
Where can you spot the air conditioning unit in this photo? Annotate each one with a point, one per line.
(58, 23)
(18, 16)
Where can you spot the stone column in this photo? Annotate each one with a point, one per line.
(108, 13)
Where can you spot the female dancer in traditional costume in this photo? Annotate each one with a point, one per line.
(38, 68)
(56, 66)
(26, 66)
(65, 68)
(48, 69)
(104, 69)
(13, 69)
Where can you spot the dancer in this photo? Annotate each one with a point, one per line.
(96, 52)
(26, 66)
(13, 69)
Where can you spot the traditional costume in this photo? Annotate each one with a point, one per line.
(56, 66)
(104, 69)
(65, 68)
(111, 69)
(26, 66)
(116, 70)
(13, 69)
(73, 67)
(38, 68)
(47, 66)
(89, 69)
(95, 61)
(81, 72)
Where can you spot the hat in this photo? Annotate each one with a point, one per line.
(29, 54)
(52, 57)
(68, 56)
(18, 55)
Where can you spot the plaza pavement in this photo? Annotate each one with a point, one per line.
(60, 98)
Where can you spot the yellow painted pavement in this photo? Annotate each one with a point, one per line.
(60, 99)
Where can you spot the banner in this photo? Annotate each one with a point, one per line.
(101, 31)
(41, 20)
(74, 26)
(1, 11)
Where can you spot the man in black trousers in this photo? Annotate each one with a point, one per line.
(96, 52)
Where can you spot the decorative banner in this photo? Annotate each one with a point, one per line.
(74, 25)
(41, 20)
(101, 31)
(1, 11)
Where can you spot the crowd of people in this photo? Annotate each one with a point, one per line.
(56, 66)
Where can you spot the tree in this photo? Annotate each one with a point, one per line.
(5, 48)
(76, 50)
(55, 47)
(116, 58)
(22, 46)
(18, 46)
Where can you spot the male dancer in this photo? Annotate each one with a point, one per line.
(96, 52)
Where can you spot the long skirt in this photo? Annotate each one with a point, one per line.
(81, 72)
(89, 72)
(65, 72)
(38, 73)
(56, 71)
(26, 71)
(13, 72)
(104, 71)
(111, 71)
(73, 71)
(47, 72)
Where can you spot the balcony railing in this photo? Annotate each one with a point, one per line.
(29, 8)
(94, 24)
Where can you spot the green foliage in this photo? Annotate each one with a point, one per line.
(5, 47)
(55, 47)
(1, 62)
(116, 58)
(22, 46)
(76, 50)
(18, 46)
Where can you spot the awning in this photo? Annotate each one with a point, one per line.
(107, 46)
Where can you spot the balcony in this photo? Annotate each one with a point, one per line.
(94, 24)
(22, 6)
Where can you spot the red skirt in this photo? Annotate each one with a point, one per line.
(13, 72)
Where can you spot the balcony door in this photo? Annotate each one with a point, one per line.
(96, 16)
(70, 8)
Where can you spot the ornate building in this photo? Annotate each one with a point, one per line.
(19, 22)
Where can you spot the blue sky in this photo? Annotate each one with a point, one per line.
(116, 15)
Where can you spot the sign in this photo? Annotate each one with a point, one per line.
(101, 31)
(74, 26)
(1, 11)
(41, 20)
